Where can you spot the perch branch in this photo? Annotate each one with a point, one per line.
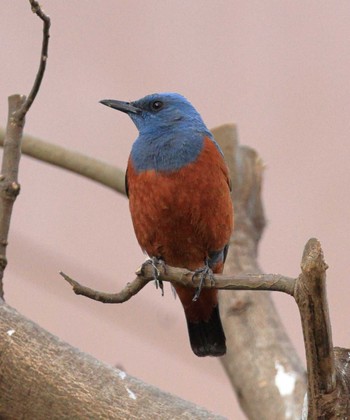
(183, 277)
(18, 107)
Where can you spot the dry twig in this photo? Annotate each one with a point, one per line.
(36, 8)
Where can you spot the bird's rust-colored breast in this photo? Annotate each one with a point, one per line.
(181, 216)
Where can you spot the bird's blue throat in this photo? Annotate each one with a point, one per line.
(167, 151)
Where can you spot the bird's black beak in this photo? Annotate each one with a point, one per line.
(121, 106)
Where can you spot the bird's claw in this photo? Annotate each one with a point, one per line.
(203, 272)
(154, 262)
(159, 284)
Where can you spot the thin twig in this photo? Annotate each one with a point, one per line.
(129, 290)
(36, 8)
(183, 277)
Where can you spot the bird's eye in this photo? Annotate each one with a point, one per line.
(156, 105)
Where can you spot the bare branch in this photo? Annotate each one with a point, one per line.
(76, 162)
(21, 113)
(18, 107)
(183, 277)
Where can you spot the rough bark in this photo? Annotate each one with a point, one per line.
(327, 367)
(258, 348)
(41, 377)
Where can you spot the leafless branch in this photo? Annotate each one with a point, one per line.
(18, 107)
(129, 290)
(9, 187)
(183, 277)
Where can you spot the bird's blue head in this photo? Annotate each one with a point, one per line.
(171, 131)
(160, 112)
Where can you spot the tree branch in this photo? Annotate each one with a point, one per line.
(9, 187)
(128, 292)
(76, 162)
(184, 277)
(259, 351)
(41, 377)
(18, 107)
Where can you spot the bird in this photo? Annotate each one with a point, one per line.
(179, 193)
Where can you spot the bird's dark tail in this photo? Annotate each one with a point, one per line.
(207, 337)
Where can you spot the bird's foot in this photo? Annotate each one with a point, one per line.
(154, 262)
(203, 272)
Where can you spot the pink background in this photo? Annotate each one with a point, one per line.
(280, 70)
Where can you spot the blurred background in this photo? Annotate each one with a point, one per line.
(280, 70)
